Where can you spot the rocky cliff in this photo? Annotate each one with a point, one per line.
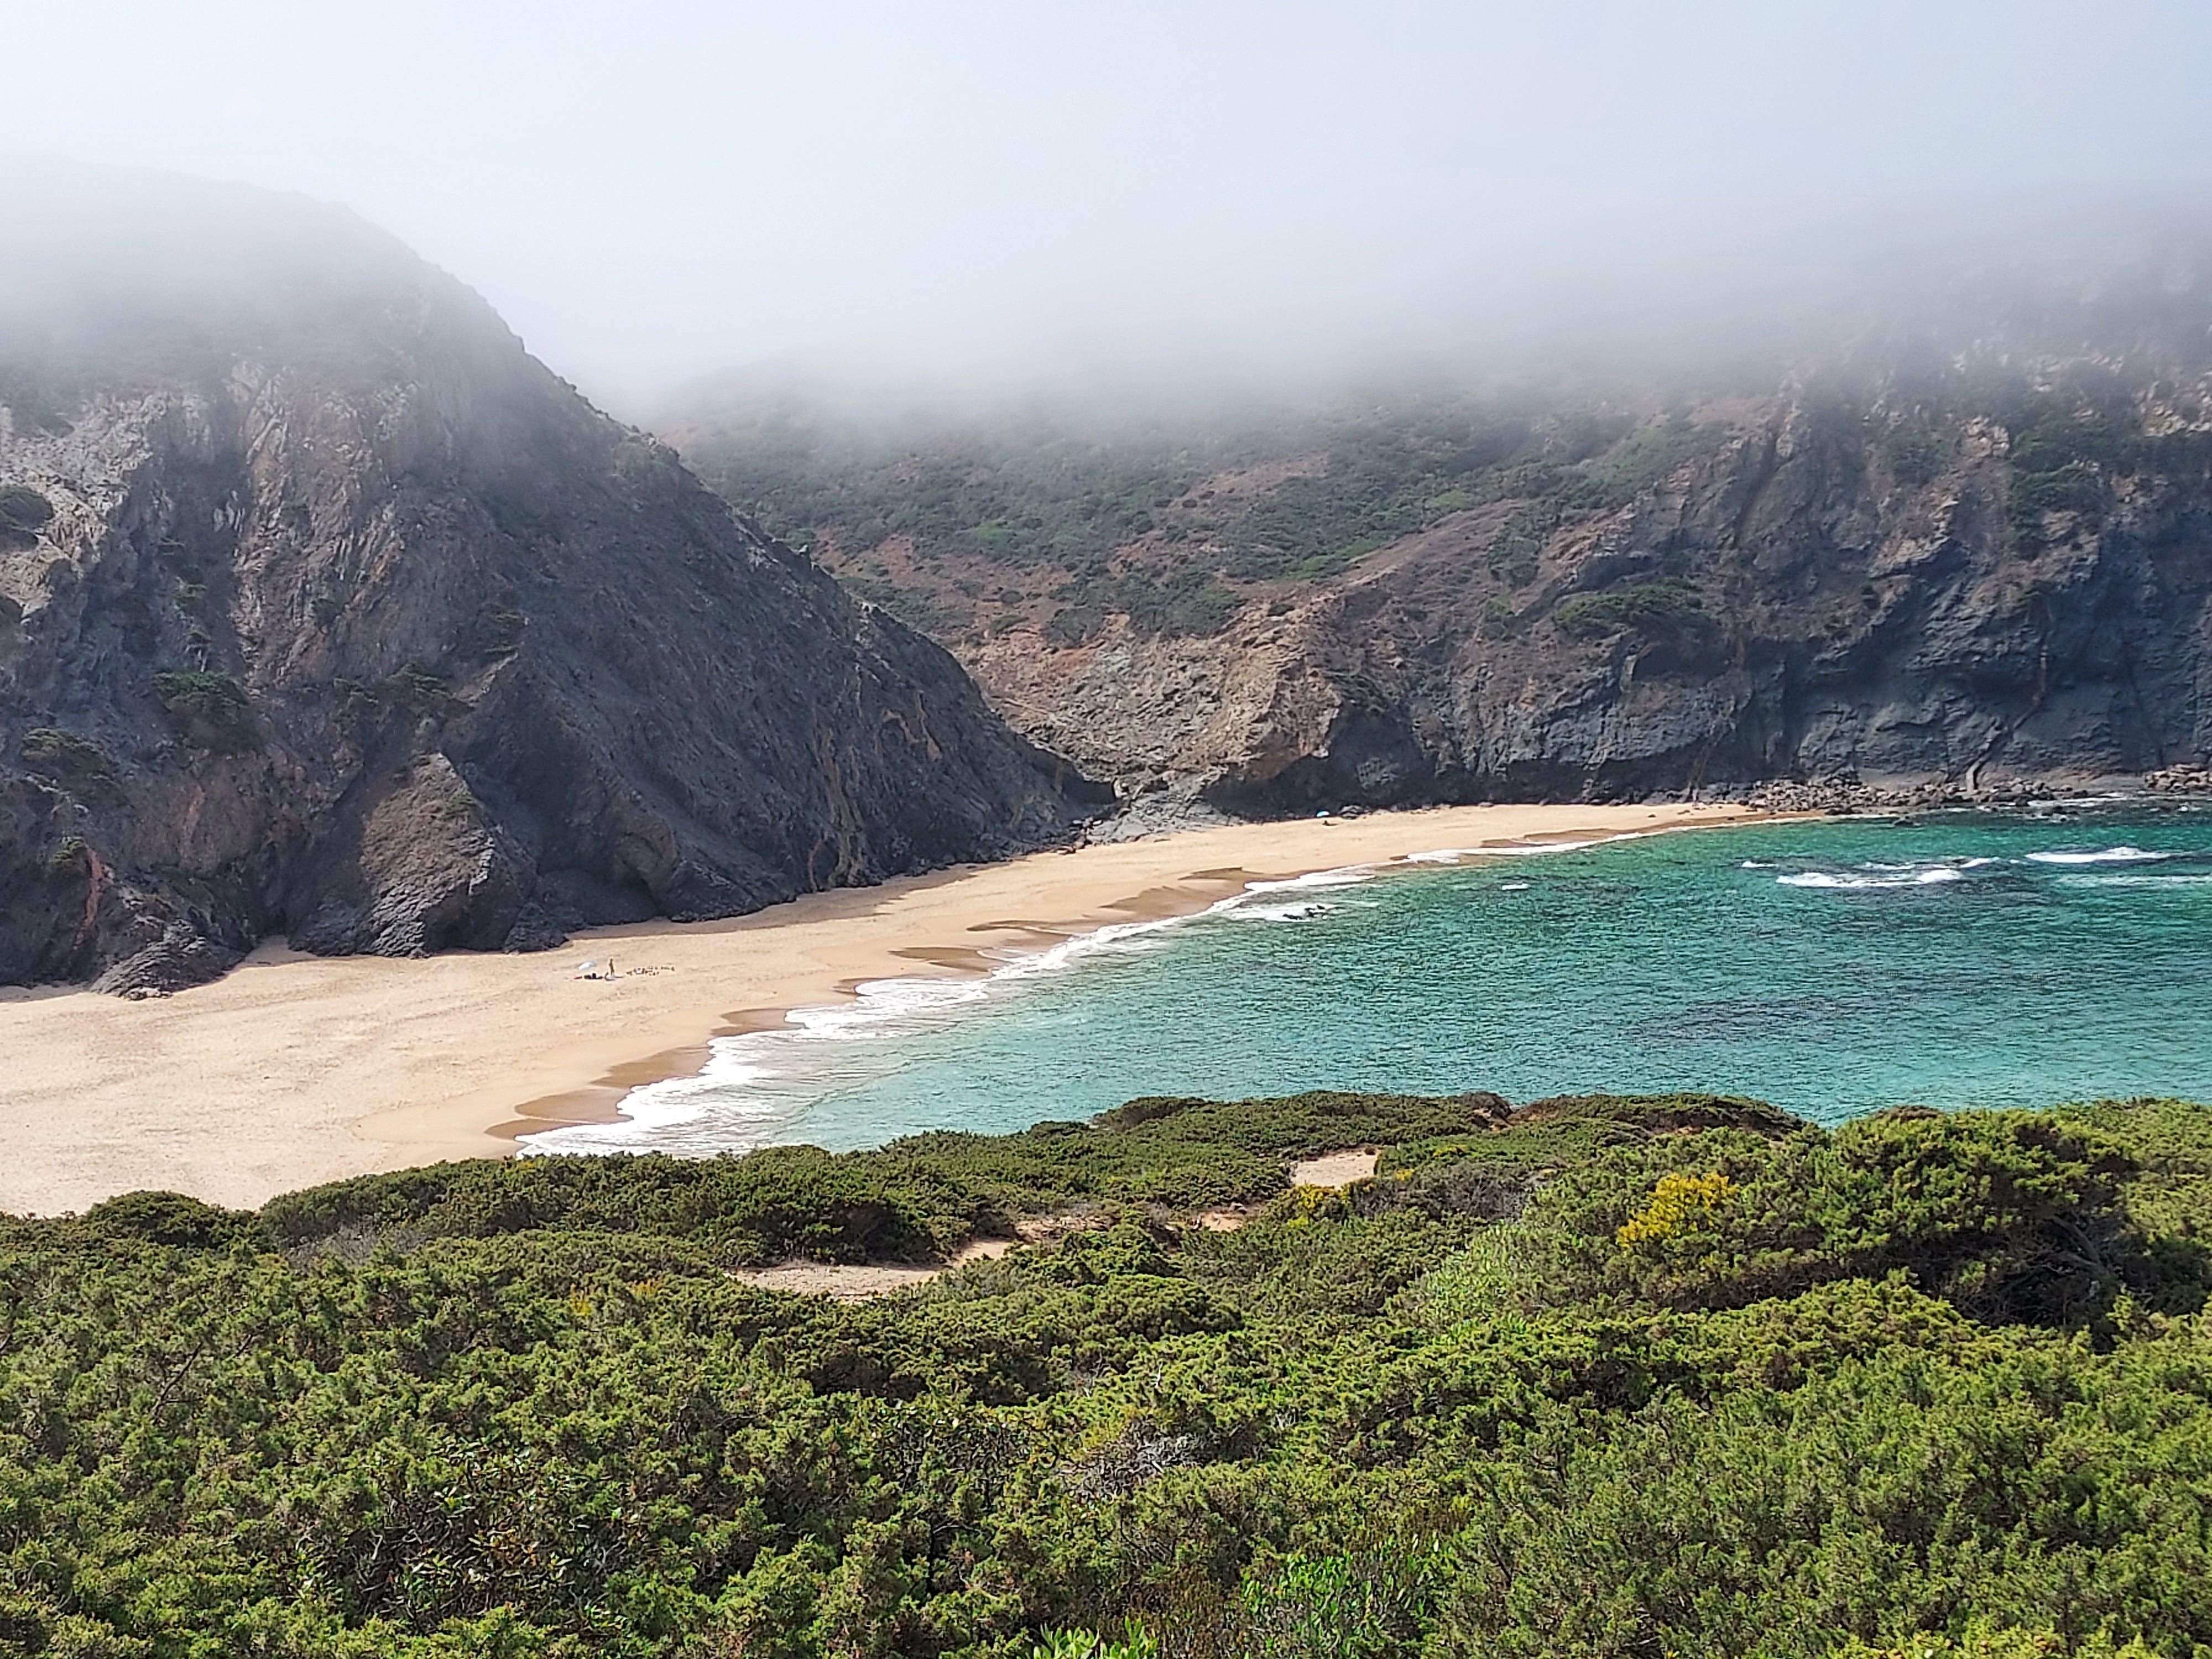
(1959, 549)
(327, 612)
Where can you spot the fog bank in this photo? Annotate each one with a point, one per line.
(1011, 193)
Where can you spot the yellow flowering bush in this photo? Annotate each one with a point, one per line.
(1679, 1203)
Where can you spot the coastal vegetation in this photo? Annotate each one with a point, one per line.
(1661, 604)
(973, 532)
(49, 749)
(198, 694)
(1156, 524)
(1603, 1375)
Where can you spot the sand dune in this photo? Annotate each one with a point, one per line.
(296, 1070)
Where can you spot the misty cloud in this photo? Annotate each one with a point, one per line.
(1213, 190)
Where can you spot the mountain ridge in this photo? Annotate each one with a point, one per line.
(1961, 547)
(327, 610)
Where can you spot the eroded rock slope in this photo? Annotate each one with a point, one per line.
(1958, 548)
(326, 610)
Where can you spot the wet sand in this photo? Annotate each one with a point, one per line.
(295, 1070)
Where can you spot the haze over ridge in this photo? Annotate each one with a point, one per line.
(1000, 191)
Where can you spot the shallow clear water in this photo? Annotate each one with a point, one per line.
(1962, 959)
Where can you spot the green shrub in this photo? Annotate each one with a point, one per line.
(1133, 1643)
(1651, 607)
(48, 748)
(175, 1219)
(1915, 458)
(1183, 601)
(198, 694)
(2076, 487)
(1075, 625)
(2061, 461)
(1983, 1639)
(1513, 558)
(1645, 457)
(527, 1407)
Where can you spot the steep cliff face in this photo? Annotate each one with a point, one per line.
(1959, 556)
(326, 610)
(1785, 605)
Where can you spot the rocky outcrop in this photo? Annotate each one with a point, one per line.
(326, 611)
(1784, 606)
(1964, 556)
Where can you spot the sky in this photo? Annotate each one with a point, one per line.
(654, 191)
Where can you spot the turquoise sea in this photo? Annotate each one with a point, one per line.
(1954, 959)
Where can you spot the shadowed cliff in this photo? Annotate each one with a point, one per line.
(326, 610)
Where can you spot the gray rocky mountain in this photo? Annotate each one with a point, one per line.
(326, 611)
(1963, 544)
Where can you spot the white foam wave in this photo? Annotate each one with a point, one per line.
(1873, 877)
(2103, 855)
(732, 1103)
(877, 1003)
(1512, 849)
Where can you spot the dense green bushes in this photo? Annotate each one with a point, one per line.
(1664, 607)
(1921, 1384)
(2064, 461)
(1043, 504)
(203, 696)
(1915, 458)
(917, 1200)
(64, 754)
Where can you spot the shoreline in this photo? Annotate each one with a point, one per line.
(296, 1070)
(599, 1101)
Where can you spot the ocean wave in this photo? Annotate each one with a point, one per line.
(727, 1088)
(732, 1103)
(1514, 849)
(733, 1091)
(1874, 876)
(2037, 808)
(2103, 855)
(1878, 873)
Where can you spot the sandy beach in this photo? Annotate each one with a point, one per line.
(295, 1070)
